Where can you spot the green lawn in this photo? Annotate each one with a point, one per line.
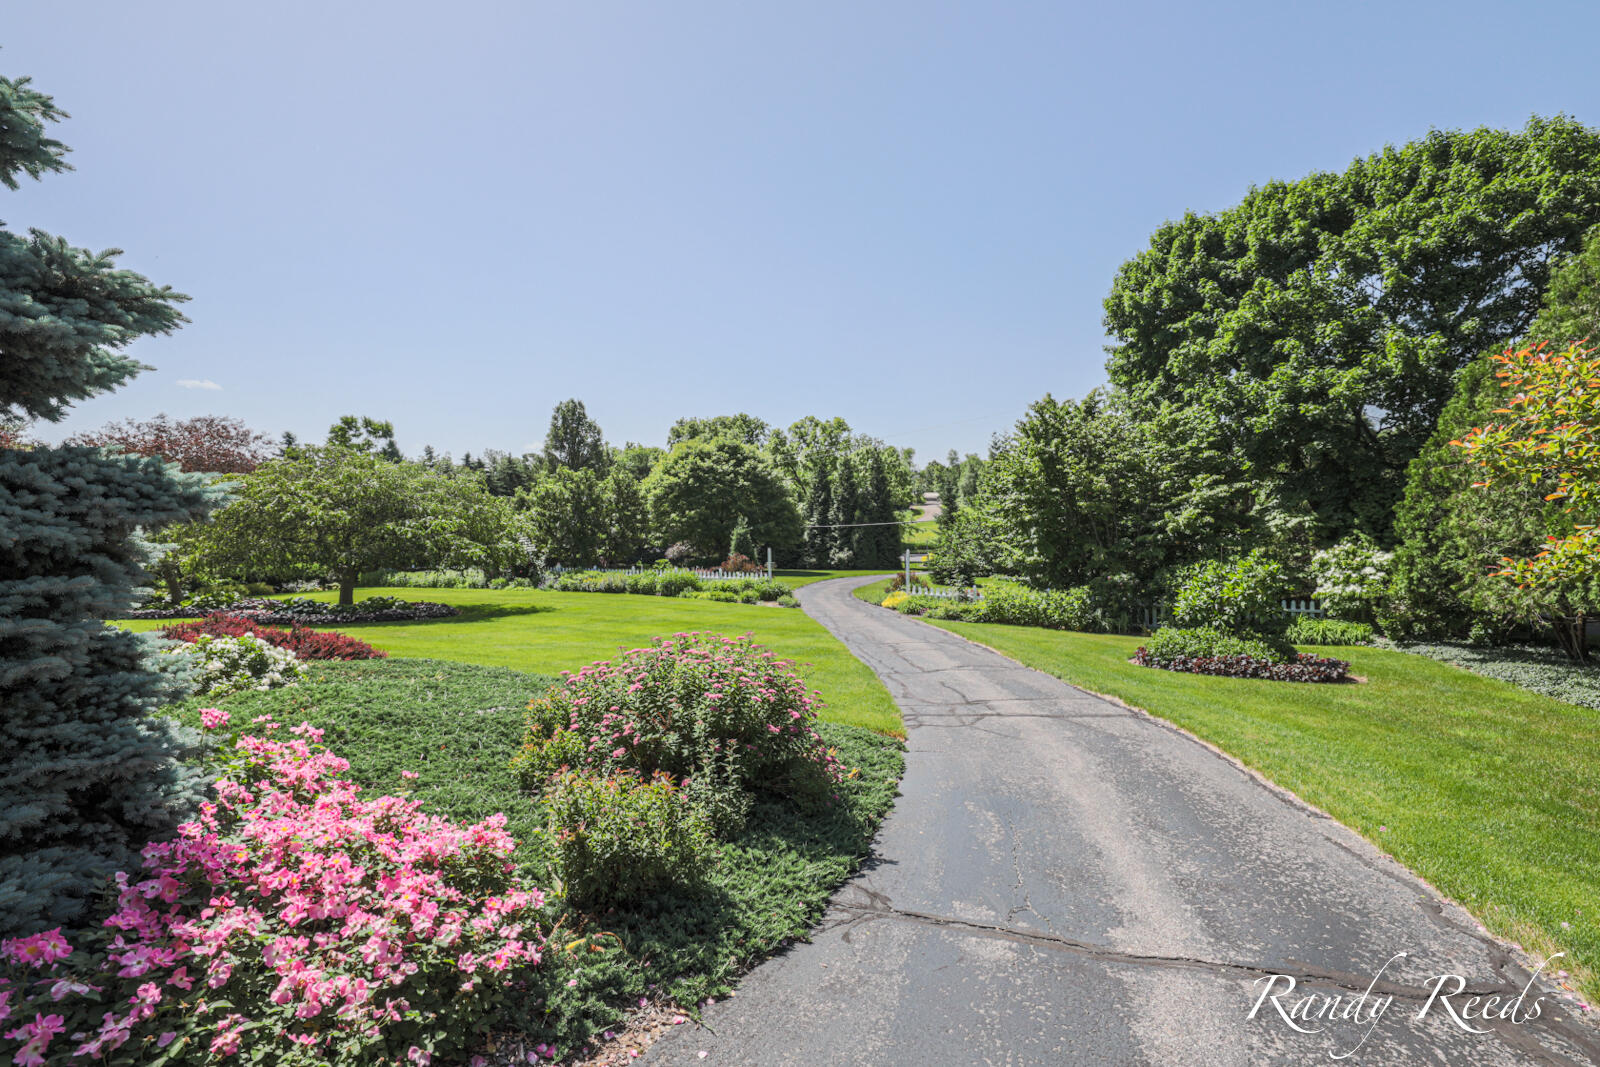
(542, 632)
(873, 593)
(1490, 792)
(795, 579)
(920, 535)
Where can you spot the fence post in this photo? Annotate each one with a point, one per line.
(769, 563)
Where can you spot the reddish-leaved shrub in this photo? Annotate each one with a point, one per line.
(1305, 667)
(303, 641)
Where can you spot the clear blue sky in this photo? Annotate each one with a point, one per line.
(905, 213)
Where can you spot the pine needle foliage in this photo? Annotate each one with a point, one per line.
(87, 775)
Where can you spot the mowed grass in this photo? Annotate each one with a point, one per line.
(794, 579)
(1490, 792)
(543, 632)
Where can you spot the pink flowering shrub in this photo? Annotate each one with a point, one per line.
(293, 915)
(724, 713)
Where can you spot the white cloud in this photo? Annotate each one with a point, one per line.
(198, 383)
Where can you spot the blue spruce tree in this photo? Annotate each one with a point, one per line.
(87, 774)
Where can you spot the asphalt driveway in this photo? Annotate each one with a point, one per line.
(1066, 881)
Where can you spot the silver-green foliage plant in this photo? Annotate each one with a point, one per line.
(87, 775)
(223, 665)
(1352, 578)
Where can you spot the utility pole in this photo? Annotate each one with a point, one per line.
(769, 563)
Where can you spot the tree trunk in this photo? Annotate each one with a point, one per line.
(172, 577)
(1571, 635)
(347, 590)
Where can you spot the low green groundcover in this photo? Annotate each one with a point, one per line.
(456, 727)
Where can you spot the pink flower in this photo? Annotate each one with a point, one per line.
(37, 950)
(213, 718)
(408, 774)
(418, 1056)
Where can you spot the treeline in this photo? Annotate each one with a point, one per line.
(724, 490)
(1287, 376)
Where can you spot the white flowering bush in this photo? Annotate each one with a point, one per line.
(222, 665)
(1351, 578)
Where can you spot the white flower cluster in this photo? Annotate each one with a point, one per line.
(1352, 577)
(222, 665)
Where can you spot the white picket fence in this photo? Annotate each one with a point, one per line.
(1155, 616)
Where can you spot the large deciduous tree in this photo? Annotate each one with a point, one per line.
(564, 516)
(1319, 325)
(87, 774)
(336, 511)
(699, 492)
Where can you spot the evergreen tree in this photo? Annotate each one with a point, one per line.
(743, 542)
(626, 516)
(818, 515)
(877, 544)
(87, 774)
(843, 516)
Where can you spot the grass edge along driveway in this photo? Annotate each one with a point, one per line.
(1489, 792)
(544, 632)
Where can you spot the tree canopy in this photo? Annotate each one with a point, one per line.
(574, 439)
(213, 444)
(335, 511)
(1319, 325)
(699, 492)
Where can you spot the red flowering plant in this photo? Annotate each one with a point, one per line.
(293, 916)
(724, 714)
(303, 641)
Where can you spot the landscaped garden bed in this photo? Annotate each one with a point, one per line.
(501, 953)
(1207, 651)
(303, 609)
(1538, 669)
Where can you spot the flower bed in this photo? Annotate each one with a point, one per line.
(1303, 668)
(305, 610)
(673, 583)
(1207, 650)
(303, 641)
(290, 917)
(221, 665)
(454, 726)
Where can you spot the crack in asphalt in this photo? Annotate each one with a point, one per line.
(1513, 1035)
(866, 913)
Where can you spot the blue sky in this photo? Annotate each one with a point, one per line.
(454, 215)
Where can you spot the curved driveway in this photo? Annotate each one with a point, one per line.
(1066, 881)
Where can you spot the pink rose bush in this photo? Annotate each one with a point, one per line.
(291, 914)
